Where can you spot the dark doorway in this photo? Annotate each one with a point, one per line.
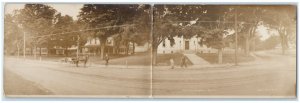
(187, 45)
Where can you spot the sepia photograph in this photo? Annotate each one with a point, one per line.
(150, 50)
(224, 51)
(77, 50)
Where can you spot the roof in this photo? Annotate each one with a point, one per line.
(92, 42)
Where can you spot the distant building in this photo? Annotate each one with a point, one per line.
(183, 45)
(142, 48)
(93, 47)
(38, 51)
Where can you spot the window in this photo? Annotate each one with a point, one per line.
(180, 43)
(109, 41)
(171, 45)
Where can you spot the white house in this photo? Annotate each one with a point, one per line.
(93, 46)
(183, 45)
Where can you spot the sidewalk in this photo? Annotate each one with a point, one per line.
(196, 60)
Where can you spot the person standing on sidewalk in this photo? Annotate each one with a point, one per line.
(172, 63)
(183, 62)
(106, 59)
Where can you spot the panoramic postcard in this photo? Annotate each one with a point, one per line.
(150, 50)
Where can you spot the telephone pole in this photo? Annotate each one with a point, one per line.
(236, 39)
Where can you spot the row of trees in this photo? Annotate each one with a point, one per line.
(213, 24)
(39, 21)
(135, 19)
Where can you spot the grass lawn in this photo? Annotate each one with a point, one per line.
(288, 52)
(164, 59)
(135, 59)
(43, 57)
(227, 57)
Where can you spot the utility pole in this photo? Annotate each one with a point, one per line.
(236, 39)
(151, 32)
(24, 46)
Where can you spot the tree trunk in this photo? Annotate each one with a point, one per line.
(282, 47)
(66, 51)
(35, 51)
(247, 41)
(117, 50)
(220, 56)
(127, 48)
(154, 55)
(18, 50)
(253, 44)
(102, 50)
(102, 46)
(253, 38)
(283, 44)
(133, 51)
(283, 38)
(247, 46)
(31, 51)
(114, 50)
(40, 51)
(48, 51)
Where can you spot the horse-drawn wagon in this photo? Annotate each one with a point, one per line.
(76, 60)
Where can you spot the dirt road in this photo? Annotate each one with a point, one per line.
(64, 79)
(273, 76)
(269, 76)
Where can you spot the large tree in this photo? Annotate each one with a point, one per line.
(249, 17)
(283, 19)
(204, 21)
(36, 20)
(173, 20)
(114, 15)
(216, 25)
(138, 34)
(63, 28)
(12, 35)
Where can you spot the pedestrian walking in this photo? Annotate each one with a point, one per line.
(183, 62)
(106, 60)
(172, 63)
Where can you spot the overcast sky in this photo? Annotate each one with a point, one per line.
(64, 9)
(74, 9)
